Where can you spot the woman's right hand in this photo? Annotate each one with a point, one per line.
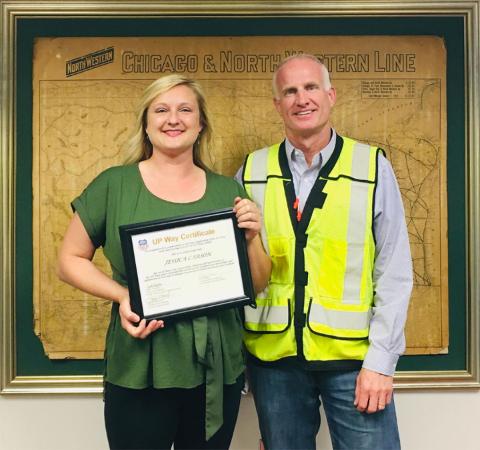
(131, 322)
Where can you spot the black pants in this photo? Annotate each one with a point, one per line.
(150, 419)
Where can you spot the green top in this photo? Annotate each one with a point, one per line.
(186, 353)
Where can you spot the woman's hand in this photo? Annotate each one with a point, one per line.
(248, 216)
(131, 322)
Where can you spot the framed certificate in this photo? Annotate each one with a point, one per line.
(187, 265)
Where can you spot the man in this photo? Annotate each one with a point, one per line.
(330, 325)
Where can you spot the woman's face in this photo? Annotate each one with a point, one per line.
(173, 120)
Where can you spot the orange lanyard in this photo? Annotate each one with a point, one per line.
(295, 207)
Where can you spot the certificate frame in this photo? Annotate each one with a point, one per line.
(173, 242)
(16, 255)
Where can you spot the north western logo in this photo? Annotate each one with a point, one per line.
(89, 61)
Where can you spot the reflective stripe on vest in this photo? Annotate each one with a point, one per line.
(339, 319)
(318, 313)
(268, 314)
(256, 188)
(356, 226)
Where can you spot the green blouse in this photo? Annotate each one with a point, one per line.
(186, 353)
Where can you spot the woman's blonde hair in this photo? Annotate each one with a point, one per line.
(139, 148)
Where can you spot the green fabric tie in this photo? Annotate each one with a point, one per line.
(206, 331)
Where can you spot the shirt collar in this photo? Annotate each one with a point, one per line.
(326, 151)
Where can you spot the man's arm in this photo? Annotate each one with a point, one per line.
(393, 280)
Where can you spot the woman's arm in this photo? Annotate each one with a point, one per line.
(249, 218)
(260, 264)
(76, 268)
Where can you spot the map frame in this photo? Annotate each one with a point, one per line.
(70, 377)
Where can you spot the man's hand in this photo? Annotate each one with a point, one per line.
(129, 321)
(373, 391)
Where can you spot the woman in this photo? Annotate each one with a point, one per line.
(180, 383)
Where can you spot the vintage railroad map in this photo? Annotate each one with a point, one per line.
(391, 92)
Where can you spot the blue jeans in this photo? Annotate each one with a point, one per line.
(288, 401)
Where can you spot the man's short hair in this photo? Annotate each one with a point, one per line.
(325, 75)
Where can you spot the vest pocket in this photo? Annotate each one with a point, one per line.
(339, 321)
(267, 317)
(281, 252)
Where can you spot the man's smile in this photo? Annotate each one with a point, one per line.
(304, 113)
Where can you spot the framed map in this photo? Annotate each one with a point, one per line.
(400, 84)
(391, 93)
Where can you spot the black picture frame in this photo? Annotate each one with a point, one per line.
(132, 253)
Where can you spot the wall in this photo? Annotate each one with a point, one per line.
(427, 420)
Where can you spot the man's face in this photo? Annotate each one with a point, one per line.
(302, 100)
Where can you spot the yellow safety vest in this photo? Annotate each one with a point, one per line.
(319, 299)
